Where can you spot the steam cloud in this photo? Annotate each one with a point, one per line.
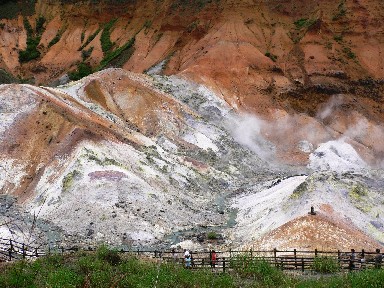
(246, 130)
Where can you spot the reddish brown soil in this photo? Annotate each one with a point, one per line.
(324, 231)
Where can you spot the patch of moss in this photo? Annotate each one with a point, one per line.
(299, 191)
(358, 195)
(69, 179)
(358, 192)
(90, 155)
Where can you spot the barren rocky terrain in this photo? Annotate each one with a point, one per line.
(152, 123)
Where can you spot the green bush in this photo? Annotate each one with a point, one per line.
(63, 277)
(56, 38)
(325, 265)
(258, 269)
(119, 52)
(89, 39)
(106, 43)
(86, 53)
(212, 235)
(33, 40)
(271, 56)
(110, 256)
(83, 69)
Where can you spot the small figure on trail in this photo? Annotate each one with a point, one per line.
(378, 259)
(352, 259)
(213, 257)
(188, 261)
(186, 253)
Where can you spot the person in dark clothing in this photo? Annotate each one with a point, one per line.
(352, 260)
(378, 259)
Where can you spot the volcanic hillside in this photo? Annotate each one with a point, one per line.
(226, 116)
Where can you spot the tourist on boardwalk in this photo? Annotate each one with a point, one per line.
(188, 261)
(378, 259)
(213, 257)
(352, 260)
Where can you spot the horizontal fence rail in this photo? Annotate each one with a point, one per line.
(14, 250)
(296, 260)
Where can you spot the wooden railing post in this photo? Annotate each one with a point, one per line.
(315, 252)
(251, 252)
(23, 251)
(230, 253)
(223, 264)
(294, 254)
(10, 250)
(36, 253)
(138, 251)
(302, 264)
(274, 255)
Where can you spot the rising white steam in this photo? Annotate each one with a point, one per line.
(246, 130)
(335, 101)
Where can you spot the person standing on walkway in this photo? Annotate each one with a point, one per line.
(378, 259)
(213, 259)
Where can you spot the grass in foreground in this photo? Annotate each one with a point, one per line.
(107, 268)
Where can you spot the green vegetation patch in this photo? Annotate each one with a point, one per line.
(341, 11)
(33, 40)
(358, 192)
(260, 270)
(300, 190)
(271, 56)
(119, 56)
(89, 39)
(10, 9)
(105, 39)
(56, 38)
(83, 69)
(304, 23)
(325, 264)
(69, 179)
(212, 235)
(108, 268)
(348, 53)
(7, 78)
(358, 195)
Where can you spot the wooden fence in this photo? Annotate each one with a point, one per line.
(296, 260)
(14, 250)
